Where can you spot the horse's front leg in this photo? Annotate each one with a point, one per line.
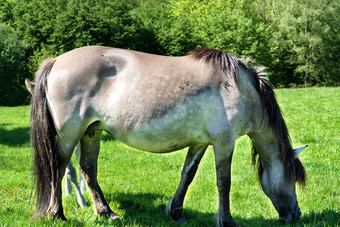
(194, 156)
(223, 157)
(90, 143)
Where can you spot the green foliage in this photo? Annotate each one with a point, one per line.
(173, 34)
(300, 43)
(5, 12)
(64, 25)
(138, 185)
(182, 25)
(93, 23)
(12, 54)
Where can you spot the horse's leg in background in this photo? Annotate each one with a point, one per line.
(194, 156)
(68, 177)
(223, 156)
(82, 183)
(71, 175)
(90, 144)
(68, 172)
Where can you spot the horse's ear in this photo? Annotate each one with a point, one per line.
(297, 151)
(30, 85)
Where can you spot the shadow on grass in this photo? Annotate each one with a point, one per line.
(14, 137)
(145, 209)
(326, 217)
(323, 218)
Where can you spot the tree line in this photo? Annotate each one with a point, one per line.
(297, 40)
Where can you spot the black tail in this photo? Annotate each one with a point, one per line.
(43, 135)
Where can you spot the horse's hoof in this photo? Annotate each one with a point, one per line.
(230, 222)
(108, 214)
(59, 216)
(182, 220)
(175, 213)
(114, 217)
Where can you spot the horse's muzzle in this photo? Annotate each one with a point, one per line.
(294, 216)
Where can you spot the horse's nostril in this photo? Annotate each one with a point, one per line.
(282, 220)
(286, 219)
(297, 214)
(294, 216)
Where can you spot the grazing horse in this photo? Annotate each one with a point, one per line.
(158, 104)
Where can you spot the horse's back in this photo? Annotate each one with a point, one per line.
(139, 98)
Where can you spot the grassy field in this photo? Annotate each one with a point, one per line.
(138, 185)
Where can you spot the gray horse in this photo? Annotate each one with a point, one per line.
(158, 104)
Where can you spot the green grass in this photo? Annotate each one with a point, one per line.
(138, 185)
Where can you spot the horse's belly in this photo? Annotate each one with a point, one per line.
(161, 137)
(172, 131)
(154, 145)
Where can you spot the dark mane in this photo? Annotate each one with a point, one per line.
(226, 62)
(294, 170)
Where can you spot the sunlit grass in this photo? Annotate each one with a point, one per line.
(138, 185)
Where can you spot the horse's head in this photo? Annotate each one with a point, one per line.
(29, 85)
(279, 170)
(283, 195)
(276, 185)
(275, 182)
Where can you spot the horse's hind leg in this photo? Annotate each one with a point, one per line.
(194, 156)
(64, 153)
(90, 143)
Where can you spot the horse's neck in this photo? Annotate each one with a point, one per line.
(247, 88)
(265, 143)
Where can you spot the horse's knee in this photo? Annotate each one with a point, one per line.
(87, 167)
(89, 171)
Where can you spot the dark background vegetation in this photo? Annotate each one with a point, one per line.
(298, 40)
